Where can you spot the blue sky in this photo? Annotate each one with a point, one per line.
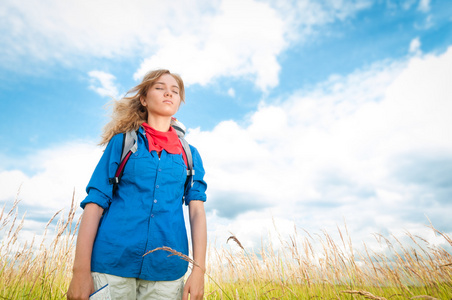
(305, 112)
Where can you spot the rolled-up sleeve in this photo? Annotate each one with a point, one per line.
(197, 191)
(99, 190)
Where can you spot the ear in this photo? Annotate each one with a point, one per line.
(143, 102)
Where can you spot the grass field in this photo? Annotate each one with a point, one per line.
(303, 267)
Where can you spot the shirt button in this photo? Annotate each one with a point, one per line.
(157, 186)
(160, 170)
(152, 216)
(155, 200)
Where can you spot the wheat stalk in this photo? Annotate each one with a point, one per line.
(174, 252)
(365, 294)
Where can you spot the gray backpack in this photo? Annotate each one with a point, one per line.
(129, 146)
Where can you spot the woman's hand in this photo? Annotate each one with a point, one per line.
(81, 286)
(195, 282)
(194, 285)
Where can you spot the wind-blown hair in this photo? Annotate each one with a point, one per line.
(128, 113)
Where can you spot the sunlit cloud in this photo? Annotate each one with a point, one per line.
(357, 147)
(103, 84)
(415, 46)
(230, 38)
(242, 40)
(424, 5)
(58, 173)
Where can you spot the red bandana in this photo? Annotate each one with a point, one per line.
(159, 140)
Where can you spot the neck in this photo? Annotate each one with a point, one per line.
(159, 123)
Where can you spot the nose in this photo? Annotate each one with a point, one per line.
(168, 93)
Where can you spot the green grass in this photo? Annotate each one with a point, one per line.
(302, 267)
(246, 290)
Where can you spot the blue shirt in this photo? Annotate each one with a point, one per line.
(144, 213)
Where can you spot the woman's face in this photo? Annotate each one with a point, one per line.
(162, 98)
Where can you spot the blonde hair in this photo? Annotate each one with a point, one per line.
(128, 113)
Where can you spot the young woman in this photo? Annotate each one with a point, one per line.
(145, 212)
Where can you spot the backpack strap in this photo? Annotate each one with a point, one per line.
(190, 170)
(187, 150)
(180, 130)
(129, 146)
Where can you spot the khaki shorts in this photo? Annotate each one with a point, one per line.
(139, 289)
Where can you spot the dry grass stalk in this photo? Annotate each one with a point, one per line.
(35, 272)
(303, 266)
(186, 258)
(232, 237)
(174, 252)
(365, 294)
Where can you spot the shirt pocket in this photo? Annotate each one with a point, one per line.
(140, 166)
(179, 169)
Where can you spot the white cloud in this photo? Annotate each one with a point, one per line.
(407, 4)
(60, 171)
(242, 40)
(426, 24)
(360, 147)
(202, 40)
(424, 5)
(415, 46)
(51, 29)
(103, 84)
(303, 18)
(10, 183)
